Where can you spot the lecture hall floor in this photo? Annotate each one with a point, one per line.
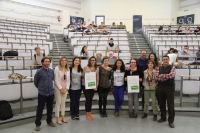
(122, 124)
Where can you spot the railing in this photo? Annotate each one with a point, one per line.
(189, 87)
(153, 46)
(26, 61)
(3, 33)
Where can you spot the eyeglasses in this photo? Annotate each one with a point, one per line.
(64, 76)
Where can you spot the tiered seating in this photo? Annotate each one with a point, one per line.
(99, 42)
(22, 37)
(159, 42)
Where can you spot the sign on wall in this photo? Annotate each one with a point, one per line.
(188, 19)
(74, 19)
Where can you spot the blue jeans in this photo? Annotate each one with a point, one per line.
(119, 96)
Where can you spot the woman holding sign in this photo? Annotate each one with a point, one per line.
(117, 82)
(133, 77)
(90, 82)
(104, 86)
(150, 83)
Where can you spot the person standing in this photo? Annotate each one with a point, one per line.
(43, 80)
(117, 84)
(89, 93)
(38, 56)
(149, 82)
(62, 82)
(142, 66)
(75, 87)
(133, 97)
(104, 86)
(166, 84)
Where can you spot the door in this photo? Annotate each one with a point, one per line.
(137, 24)
(99, 19)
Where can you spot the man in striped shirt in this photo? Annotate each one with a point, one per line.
(166, 86)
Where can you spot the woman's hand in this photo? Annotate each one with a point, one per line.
(125, 79)
(140, 79)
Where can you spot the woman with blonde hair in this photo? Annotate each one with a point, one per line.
(62, 83)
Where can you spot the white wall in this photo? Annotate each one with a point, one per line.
(174, 9)
(195, 11)
(189, 4)
(152, 11)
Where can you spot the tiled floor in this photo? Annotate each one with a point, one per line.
(123, 124)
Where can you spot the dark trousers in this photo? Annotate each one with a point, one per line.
(119, 96)
(74, 101)
(167, 93)
(89, 94)
(41, 103)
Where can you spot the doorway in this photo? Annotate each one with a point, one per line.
(137, 24)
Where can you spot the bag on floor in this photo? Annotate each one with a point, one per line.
(5, 110)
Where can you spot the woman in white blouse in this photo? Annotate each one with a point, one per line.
(62, 83)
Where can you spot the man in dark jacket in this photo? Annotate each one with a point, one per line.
(43, 80)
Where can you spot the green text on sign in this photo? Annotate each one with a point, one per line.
(90, 84)
(134, 87)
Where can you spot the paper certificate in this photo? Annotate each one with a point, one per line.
(133, 84)
(90, 80)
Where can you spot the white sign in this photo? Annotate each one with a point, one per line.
(90, 80)
(133, 84)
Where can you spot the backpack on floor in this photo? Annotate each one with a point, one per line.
(5, 110)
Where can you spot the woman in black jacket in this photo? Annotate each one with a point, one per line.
(133, 70)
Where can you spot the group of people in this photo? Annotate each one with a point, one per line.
(179, 31)
(110, 47)
(183, 54)
(93, 28)
(156, 81)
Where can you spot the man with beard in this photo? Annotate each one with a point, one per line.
(43, 80)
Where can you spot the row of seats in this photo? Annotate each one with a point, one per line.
(28, 25)
(96, 43)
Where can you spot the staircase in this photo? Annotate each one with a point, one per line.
(60, 48)
(137, 43)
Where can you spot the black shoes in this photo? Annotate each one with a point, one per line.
(73, 117)
(101, 113)
(161, 120)
(131, 115)
(105, 114)
(171, 125)
(134, 115)
(155, 118)
(77, 117)
(144, 116)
